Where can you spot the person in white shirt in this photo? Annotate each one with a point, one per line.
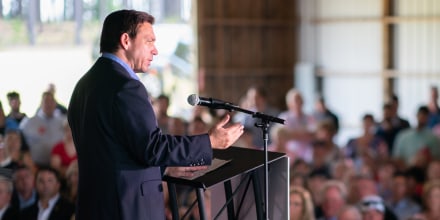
(43, 130)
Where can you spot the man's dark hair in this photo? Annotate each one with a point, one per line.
(423, 110)
(394, 98)
(13, 95)
(119, 22)
(368, 116)
(400, 174)
(164, 97)
(50, 170)
(386, 106)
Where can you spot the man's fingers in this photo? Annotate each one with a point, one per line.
(189, 171)
(224, 121)
(197, 168)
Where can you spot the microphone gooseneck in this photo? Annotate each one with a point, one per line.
(194, 99)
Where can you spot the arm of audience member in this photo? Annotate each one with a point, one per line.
(55, 162)
(222, 135)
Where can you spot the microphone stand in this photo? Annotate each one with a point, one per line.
(264, 123)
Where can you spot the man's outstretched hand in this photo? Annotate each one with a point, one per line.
(223, 136)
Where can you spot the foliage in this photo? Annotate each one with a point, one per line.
(13, 32)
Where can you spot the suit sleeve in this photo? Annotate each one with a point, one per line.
(144, 141)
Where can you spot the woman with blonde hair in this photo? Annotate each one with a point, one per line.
(301, 205)
(431, 200)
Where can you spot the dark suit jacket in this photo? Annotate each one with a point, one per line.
(120, 147)
(15, 201)
(12, 213)
(63, 210)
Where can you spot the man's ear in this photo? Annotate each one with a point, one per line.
(124, 40)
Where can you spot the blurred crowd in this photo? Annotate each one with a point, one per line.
(390, 171)
(38, 168)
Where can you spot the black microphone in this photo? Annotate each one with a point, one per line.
(209, 102)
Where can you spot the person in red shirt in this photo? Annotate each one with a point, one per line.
(63, 153)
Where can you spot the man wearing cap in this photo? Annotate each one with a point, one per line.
(373, 208)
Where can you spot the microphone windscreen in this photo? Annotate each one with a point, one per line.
(193, 99)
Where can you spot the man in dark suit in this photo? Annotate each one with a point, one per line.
(51, 205)
(7, 212)
(24, 194)
(120, 148)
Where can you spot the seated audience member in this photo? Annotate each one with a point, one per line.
(206, 114)
(342, 170)
(431, 201)
(300, 125)
(25, 194)
(7, 211)
(50, 205)
(17, 151)
(361, 186)
(2, 120)
(245, 140)
(433, 170)
(434, 109)
(401, 204)
(384, 179)
(301, 205)
(416, 177)
(15, 116)
(350, 212)
(390, 125)
(374, 208)
(298, 179)
(280, 136)
(7, 165)
(59, 109)
(323, 113)
(197, 126)
(176, 126)
(315, 181)
(397, 120)
(325, 151)
(333, 198)
(300, 166)
(160, 105)
(64, 152)
(368, 143)
(256, 101)
(72, 181)
(320, 153)
(412, 143)
(299, 174)
(43, 131)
